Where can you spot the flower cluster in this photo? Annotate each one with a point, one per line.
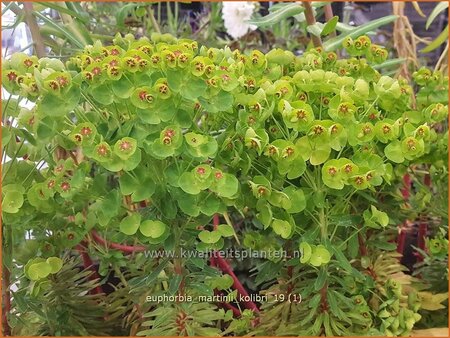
(176, 131)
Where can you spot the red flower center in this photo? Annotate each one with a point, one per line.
(102, 150)
(65, 186)
(86, 131)
(125, 145)
(143, 95)
(359, 180)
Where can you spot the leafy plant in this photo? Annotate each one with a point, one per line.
(151, 144)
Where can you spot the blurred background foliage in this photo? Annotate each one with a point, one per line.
(417, 37)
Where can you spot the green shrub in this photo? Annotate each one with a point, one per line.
(146, 140)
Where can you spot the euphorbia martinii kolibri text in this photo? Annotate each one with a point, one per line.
(146, 140)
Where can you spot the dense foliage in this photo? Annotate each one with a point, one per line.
(144, 141)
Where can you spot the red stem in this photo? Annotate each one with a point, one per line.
(216, 221)
(88, 264)
(401, 241)
(236, 312)
(407, 186)
(226, 267)
(223, 265)
(423, 226)
(362, 245)
(124, 248)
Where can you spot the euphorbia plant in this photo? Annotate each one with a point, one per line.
(146, 141)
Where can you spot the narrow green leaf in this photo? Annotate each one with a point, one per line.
(321, 278)
(62, 9)
(58, 27)
(277, 15)
(436, 11)
(330, 26)
(336, 42)
(437, 42)
(315, 29)
(390, 63)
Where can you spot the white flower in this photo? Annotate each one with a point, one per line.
(235, 14)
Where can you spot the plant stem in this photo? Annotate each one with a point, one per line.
(223, 265)
(6, 298)
(89, 265)
(153, 20)
(124, 248)
(39, 46)
(323, 297)
(311, 20)
(226, 267)
(444, 54)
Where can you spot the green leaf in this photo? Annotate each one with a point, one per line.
(441, 6)
(220, 102)
(225, 186)
(225, 230)
(280, 199)
(209, 237)
(342, 260)
(122, 88)
(320, 155)
(297, 168)
(393, 152)
(145, 190)
(282, 12)
(437, 42)
(384, 245)
(306, 252)
(315, 29)
(188, 204)
(174, 283)
(148, 280)
(54, 106)
(188, 183)
(130, 224)
(282, 228)
(210, 204)
(189, 87)
(298, 200)
(335, 43)
(43, 269)
(128, 184)
(265, 213)
(55, 263)
(63, 9)
(153, 229)
(321, 279)
(68, 35)
(12, 201)
(381, 217)
(320, 256)
(330, 26)
(390, 63)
